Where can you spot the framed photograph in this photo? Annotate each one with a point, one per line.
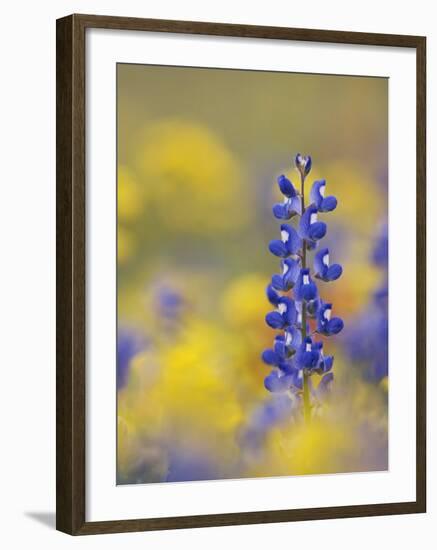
(240, 274)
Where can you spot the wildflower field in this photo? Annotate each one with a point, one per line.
(252, 266)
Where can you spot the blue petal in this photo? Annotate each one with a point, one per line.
(290, 315)
(286, 187)
(280, 350)
(317, 231)
(317, 346)
(275, 383)
(328, 204)
(304, 223)
(308, 230)
(296, 205)
(282, 211)
(292, 273)
(335, 325)
(274, 319)
(322, 322)
(309, 291)
(320, 268)
(278, 248)
(272, 295)
(334, 271)
(316, 196)
(328, 362)
(287, 366)
(296, 337)
(306, 359)
(278, 283)
(305, 291)
(270, 357)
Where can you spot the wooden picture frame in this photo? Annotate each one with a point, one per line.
(71, 283)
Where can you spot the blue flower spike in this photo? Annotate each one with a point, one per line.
(322, 269)
(317, 197)
(295, 357)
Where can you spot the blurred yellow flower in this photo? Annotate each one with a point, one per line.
(130, 195)
(243, 300)
(194, 181)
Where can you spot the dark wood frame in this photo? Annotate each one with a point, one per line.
(71, 284)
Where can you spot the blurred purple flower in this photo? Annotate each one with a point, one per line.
(366, 342)
(129, 344)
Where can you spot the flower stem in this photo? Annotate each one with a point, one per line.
(306, 392)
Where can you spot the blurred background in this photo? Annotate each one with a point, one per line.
(199, 151)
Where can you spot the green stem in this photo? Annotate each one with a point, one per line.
(306, 389)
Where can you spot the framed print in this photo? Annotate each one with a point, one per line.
(240, 274)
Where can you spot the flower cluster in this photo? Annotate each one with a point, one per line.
(300, 313)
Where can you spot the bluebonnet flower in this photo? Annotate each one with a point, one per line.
(292, 204)
(324, 364)
(284, 346)
(307, 355)
(295, 356)
(285, 315)
(317, 197)
(287, 279)
(322, 269)
(309, 226)
(305, 288)
(289, 244)
(326, 325)
(291, 340)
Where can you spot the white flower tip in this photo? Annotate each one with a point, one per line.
(284, 236)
